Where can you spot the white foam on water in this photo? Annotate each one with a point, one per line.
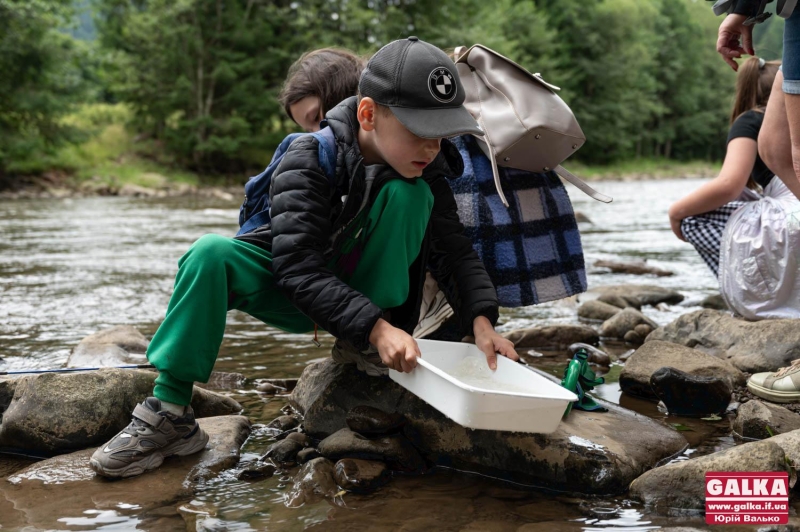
(475, 372)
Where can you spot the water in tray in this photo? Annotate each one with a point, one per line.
(475, 372)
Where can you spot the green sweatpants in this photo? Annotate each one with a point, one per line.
(219, 274)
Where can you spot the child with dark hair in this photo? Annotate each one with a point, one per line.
(348, 255)
(317, 82)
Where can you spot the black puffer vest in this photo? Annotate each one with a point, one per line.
(307, 212)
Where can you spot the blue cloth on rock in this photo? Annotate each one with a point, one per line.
(532, 249)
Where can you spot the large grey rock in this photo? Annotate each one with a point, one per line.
(116, 346)
(760, 419)
(624, 321)
(552, 336)
(42, 495)
(652, 356)
(61, 412)
(637, 295)
(597, 310)
(750, 346)
(589, 452)
(681, 485)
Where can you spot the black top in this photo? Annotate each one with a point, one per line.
(307, 210)
(748, 126)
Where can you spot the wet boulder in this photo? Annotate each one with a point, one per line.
(552, 336)
(41, 495)
(618, 301)
(597, 310)
(752, 347)
(622, 322)
(300, 438)
(307, 454)
(313, 482)
(590, 452)
(55, 413)
(761, 420)
(681, 485)
(360, 476)
(117, 346)
(632, 268)
(283, 423)
(635, 295)
(395, 450)
(283, 451)
(691, 395)
(257, 471)
(715, 302)
(371, 421)
(652, 356)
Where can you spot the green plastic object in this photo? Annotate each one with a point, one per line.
(579, 379)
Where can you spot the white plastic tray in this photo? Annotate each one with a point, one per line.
(538, 411)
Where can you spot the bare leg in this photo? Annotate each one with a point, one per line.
(775, 139)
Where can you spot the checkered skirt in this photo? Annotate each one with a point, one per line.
(532, 249)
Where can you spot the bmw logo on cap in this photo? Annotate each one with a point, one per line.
(442, 85)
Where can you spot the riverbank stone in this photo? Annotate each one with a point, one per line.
(360, 476)
(654, 355)
(690, 395)
(632, 268)
(44, 493)
(635, 294)
(313, 482)
(54, 413)
(624, 321)
(681, 485)
(395, 450)
(371, 421)
(752, 347)
(117, 346)
(761, 420)
(552, 336)
(597, 310)
(593, 453)
(283, 451)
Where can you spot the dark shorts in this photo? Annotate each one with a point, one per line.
(791, 54)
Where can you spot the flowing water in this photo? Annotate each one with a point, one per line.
(71, 267)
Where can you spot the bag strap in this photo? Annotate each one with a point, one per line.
(580, 184)
(327, 152)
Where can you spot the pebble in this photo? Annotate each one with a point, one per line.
(257, 471)
(283, 452)
(283, 423)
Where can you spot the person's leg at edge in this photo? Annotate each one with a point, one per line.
(779, 147)
(791, 100)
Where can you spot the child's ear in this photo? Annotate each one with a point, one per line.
(366, 113)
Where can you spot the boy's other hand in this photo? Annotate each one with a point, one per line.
(491, 343)
(397, 349)
(734, 39)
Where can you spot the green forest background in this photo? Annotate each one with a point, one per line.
(144, 91)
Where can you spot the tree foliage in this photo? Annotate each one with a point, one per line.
(201, 76)
(40, 76)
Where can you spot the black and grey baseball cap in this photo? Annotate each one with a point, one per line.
(420, 84)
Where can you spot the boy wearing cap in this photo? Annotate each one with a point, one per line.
(349, 256)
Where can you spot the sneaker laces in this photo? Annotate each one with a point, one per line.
(783, 371)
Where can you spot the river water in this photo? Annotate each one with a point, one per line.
(71, 267)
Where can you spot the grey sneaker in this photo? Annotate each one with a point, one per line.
(782, 386)
(151, 436)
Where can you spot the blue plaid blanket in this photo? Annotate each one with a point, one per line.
(532, 249)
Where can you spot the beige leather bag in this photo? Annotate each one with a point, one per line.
(525, 123)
